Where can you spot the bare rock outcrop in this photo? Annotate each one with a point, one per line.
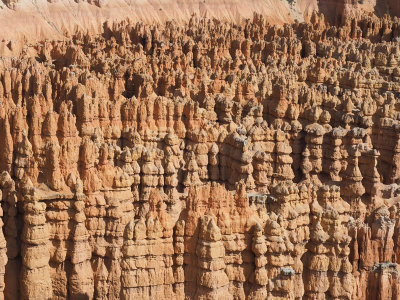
(203, 160)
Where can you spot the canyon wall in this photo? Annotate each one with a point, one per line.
(25, 22)
(205, 160)
(29, 21)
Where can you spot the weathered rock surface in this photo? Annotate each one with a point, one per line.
(203, 161)
(25, 22)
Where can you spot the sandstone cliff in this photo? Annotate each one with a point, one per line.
(203, 160)
(26, 21)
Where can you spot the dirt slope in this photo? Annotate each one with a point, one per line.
(41, 19)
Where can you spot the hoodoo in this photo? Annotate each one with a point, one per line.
(200, 150)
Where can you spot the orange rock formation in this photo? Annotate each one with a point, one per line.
(205, 160)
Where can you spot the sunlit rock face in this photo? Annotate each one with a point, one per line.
(209, 160)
